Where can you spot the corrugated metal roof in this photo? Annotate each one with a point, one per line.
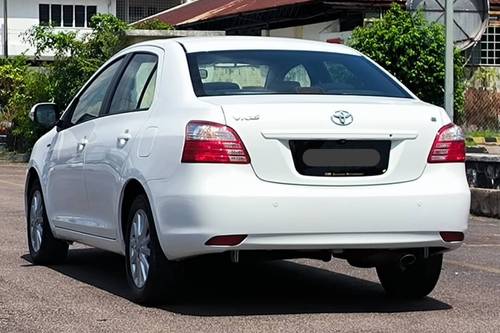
(209, 9)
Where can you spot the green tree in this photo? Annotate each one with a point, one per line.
(412, 49)
(76, 57)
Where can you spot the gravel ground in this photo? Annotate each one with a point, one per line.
(88, 293)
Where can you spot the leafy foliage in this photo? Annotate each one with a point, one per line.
(412, 49)
(76, 57)
(484, 78)
(25, 88)
(153, 24)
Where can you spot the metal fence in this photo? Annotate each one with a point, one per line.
(481, 110)
(134, 10)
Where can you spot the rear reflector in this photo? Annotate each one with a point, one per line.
(449, 145)
(208, 142)
(227, 240)
(452, 236)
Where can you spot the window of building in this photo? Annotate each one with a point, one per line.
(152, 11)
(43, 13)
(91, 11)
(55, 15)
(487, 51)
(79, 16)
(490, 46)
(68, 16)
(131, 11)
(136, 13)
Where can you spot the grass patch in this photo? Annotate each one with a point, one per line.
(484, 134)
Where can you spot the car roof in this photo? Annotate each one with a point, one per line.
(224, 43)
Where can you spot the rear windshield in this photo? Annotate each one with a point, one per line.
(256, 72)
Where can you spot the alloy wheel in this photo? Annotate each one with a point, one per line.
(36, 221)
(139, 248)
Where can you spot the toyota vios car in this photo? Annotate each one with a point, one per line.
(245, 147)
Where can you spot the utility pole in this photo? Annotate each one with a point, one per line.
(449, 54)
(5, 31)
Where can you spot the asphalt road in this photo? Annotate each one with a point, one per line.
(89, 292)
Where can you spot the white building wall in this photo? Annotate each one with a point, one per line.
(322, 31)
(23, 14)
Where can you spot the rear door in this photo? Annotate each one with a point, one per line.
(116, 136)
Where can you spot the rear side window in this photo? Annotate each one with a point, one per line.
(135, 90)
(248, 72)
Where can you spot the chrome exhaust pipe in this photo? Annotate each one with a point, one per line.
(407, 260)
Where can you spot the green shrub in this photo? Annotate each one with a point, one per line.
(76, 57)
(413, 50)
(28, 87)
(11, 77)
(153, 24)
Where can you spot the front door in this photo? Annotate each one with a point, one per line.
(68, 206)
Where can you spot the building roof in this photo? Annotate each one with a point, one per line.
(202, 10)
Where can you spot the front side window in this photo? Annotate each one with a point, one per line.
(90, 102)
(255, 72)
(136, 87)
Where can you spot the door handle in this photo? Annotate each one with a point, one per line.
(124, 138)
(82, 144)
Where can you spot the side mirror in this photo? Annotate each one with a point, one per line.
(45, 114)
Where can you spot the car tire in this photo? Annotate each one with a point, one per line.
(414, 281)
(44, 248)
(152, 278)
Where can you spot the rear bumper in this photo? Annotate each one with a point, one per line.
(203, 201)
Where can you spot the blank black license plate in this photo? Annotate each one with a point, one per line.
(340, 158)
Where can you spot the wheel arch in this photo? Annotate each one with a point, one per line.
(31, 177)
(131, 189)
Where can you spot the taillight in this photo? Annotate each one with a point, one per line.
(449, 145)
(208, 142)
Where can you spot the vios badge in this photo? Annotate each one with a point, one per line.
(342, 118)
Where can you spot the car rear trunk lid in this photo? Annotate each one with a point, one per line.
(296, 140)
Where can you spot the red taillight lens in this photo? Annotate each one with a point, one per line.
(208, 142)
(449, 145)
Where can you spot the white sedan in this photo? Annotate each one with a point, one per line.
(248, 147)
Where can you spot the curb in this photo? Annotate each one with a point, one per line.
(9, 157)
(481, 140)
(485, 202)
